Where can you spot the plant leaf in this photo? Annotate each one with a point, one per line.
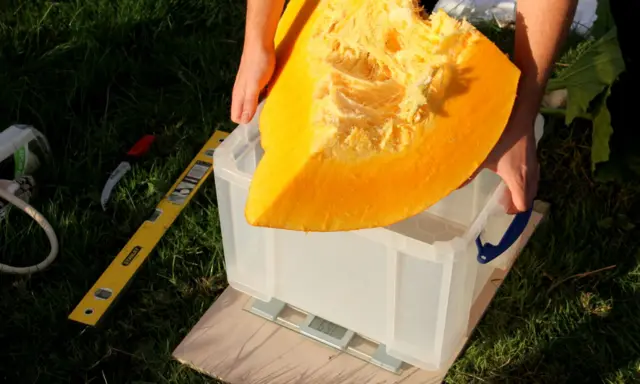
(597, 67)
(601, 133)
(604, 21)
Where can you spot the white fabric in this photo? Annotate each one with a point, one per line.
(504, 11)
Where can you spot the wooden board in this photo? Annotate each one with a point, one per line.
(238, 347)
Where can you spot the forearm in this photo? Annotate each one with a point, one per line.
(541, 29)
(261, 24)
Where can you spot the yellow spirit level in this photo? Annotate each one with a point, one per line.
(122, 269)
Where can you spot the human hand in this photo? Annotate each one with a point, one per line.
(515, 160)
(255, 71)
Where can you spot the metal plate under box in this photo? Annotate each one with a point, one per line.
(326, 332)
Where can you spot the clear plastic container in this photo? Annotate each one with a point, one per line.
(409, 286)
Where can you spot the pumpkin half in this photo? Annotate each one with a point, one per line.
(376, 111)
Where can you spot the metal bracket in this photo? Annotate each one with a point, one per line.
(269, 310)
(381, 359)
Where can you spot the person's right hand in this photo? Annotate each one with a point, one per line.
(255, 71)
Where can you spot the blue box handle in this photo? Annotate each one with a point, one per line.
(487, 252)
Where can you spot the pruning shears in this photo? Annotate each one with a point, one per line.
(139, 149)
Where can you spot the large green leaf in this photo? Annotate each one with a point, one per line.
(601, 133)
(604, 21)
(596, 67)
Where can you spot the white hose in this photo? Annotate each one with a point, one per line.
(29, 210)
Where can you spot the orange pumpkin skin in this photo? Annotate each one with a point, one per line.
(375, 113)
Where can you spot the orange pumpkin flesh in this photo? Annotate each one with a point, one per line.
(375, 113)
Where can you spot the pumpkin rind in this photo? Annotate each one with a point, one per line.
(374, 114)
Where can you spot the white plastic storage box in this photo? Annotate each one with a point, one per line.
(409, 286)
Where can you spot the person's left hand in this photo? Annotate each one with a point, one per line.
(515, 160)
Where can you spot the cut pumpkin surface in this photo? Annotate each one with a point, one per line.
(375, 113)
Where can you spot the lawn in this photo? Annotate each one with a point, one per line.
(96, 75)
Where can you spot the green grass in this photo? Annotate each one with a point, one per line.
(96, 75)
